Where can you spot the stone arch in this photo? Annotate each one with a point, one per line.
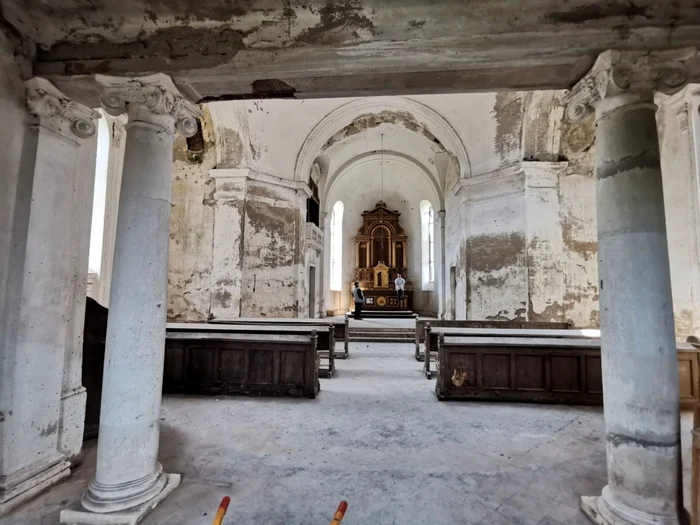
(414, 115)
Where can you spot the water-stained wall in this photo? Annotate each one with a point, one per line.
(521, 237)
(192, 226)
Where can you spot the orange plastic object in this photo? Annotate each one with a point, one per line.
(340, 513)
(222, 511)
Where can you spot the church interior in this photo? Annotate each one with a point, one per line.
(193, 193)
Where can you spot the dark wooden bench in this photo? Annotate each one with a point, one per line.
(324, 331)
(232, 363)
(340, 327)
(422, 322)
(433, 334)
(538, 370)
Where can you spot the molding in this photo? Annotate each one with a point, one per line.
(621, 78)
(491, 183)
(58, 112)
(152, 98)
(342, 116)
(543, 174)
(225, 177)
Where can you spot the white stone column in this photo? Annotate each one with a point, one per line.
(640, 375)
(115, 163)
(129, 481)
(40, 326)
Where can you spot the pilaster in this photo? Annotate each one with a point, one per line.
(42, 387)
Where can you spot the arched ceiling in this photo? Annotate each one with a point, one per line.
(392, 127)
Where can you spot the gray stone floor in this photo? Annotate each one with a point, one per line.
(377, 437)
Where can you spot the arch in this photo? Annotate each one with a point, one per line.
(386, 227)
(424, 117)
(374, 156)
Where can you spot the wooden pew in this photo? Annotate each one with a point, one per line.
(340, 326)
(538, 370)
(230, 363)
(422, 322)
(324, 331)
(431, 337)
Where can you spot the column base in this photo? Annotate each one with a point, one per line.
(77, 515)
(606, 510)
(19, 489)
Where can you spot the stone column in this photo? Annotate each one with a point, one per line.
(640, 375)
(39, 324)
(129, 481)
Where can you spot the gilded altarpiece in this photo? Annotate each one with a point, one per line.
(380, 255)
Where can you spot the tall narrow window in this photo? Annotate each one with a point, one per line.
(431, 244)
(337, 246)
(427, 216)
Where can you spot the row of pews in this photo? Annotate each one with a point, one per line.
(549, 363)
(253, 356)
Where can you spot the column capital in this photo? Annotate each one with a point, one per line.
(620, 78)
(58, 112)
(153, 98)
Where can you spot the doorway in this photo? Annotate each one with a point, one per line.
(312, 292)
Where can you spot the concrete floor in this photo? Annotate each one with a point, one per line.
(377, 437)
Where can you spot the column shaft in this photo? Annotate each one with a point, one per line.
(128, 472)
(640, 373)
(639, 363)
(129, 481)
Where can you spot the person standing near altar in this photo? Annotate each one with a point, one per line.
(399, 284)
(359, 297)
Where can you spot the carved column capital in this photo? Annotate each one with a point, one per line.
(153, 98)
(58, 112)
(619, 78)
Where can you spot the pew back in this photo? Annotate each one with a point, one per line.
(421, 323)
(229, 363)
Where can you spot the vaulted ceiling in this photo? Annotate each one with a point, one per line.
(317, 48)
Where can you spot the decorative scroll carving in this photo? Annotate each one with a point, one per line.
(628, 72)
(59, 112)
(157, 94)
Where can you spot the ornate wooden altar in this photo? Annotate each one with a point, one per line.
(380, 254)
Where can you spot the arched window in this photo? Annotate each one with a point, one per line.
(337, 247)
(427, 220)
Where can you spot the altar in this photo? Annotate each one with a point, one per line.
(380, 256)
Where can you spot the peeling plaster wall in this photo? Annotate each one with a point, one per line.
(192, 228)
(679, 125)
(496, 254)
(522, 237)
(272, 252)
